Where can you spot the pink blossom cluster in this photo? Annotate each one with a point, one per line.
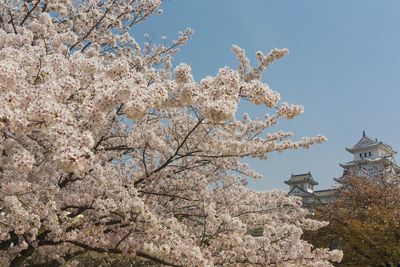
(106, 149)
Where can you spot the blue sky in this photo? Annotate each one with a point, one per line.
(343, 66)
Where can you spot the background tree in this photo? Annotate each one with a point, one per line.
(105, 150)
(364, 222)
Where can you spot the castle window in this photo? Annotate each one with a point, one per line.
(360, 155)
(365, 154)
(370, 154)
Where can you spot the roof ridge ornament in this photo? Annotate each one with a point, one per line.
(363, 133)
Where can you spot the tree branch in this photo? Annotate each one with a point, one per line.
(171, 158)
(29, 13)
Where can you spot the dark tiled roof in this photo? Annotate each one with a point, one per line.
(301, 178)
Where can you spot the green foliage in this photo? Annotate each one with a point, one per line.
(364, 223)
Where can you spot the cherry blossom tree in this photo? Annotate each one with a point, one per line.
(108, 150)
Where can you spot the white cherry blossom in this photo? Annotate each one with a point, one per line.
(107, 149)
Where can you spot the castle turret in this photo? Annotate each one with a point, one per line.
(371, 158)
(301, 184)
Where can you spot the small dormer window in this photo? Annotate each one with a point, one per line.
(370, 154)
